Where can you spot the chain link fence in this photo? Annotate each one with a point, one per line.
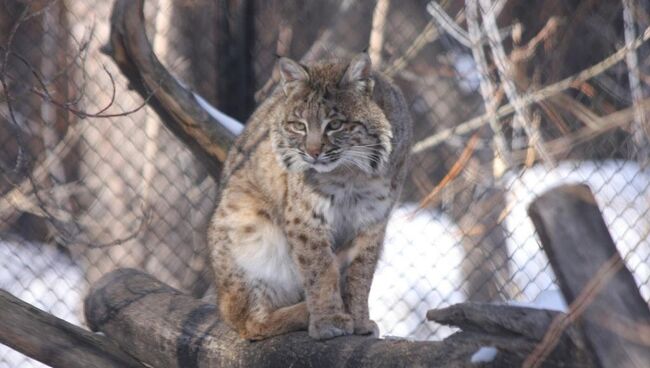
(92, 181)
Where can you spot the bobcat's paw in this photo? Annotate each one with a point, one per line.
(327, 327)
(367, 327)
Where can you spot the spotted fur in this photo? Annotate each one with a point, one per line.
(306, 193)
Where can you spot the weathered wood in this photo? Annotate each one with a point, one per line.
(165, 328)
(54, 341)
(498, 319)
(575, 237)
(177, 106)
(514, 329)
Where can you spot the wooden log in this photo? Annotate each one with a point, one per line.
(165, 328)
(178, 107)
(499, 319)
(514, 330)
(583, 255)
(54, 341)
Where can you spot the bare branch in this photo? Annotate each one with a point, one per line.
(507, 74)
(487, 89)
(445, 22)
(376, 42)
(429, 34)
(533, 97)
(455, 170)
(54, 341)
(641, 130)
(206, 131)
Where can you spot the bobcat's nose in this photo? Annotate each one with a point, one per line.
(313, 151)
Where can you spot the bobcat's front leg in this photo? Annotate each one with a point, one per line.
(365, 253)
(310, 247)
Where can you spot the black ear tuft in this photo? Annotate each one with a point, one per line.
(291, 72)
(358, 75)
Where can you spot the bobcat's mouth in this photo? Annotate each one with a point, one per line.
(324, 162)
(323, 167)
(321, 164)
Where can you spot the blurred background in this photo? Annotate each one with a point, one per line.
(509, 98)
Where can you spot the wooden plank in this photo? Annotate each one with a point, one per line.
(585, 259)
(54, 341)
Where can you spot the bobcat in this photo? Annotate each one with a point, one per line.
(306, 193)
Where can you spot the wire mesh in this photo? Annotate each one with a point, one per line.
(81, 195)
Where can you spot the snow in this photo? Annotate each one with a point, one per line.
(230, 123)
(622, 190)
(45, 277)
(485, 354)
(547, 299)
(420, 267)
(466, 72)
(419, 270)
(233, 126)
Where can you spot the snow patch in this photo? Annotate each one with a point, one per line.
(44, 277)
(622, 190)
(547, 299)
(233, 126)
(485, 354)
(419, 270)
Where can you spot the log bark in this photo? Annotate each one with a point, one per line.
(55, 342)
(178, 108)
(164, 328)
(580, 248)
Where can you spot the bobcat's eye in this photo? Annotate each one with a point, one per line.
(356, 127)
(297, 126)
(334, 125)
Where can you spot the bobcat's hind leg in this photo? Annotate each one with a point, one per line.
(262, 324)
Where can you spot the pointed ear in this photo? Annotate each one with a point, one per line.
(291, 72)
(358, 74)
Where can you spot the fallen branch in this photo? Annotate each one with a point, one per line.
(53, 341)
(164, 328)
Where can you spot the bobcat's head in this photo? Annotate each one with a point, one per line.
(329, 119)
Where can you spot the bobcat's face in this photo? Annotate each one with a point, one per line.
(330, 121)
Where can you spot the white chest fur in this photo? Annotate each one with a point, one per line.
(266, 258)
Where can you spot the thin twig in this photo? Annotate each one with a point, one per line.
(456, 169)
(67, 105)
(640, 128)
(628, 329)
(55, 217)
(444, 21)
(579, 111)
(533, 97)
(487, 88)
(507, 74)
(601, 125)
(524, 53)
(429, 34)
(22, 156)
